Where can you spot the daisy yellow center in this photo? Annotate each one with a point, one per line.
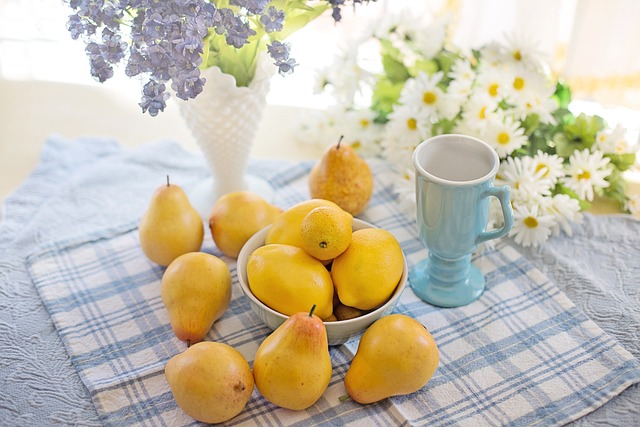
(517, 55)
(483, 113)
(356, 144)
(518, 83)
(543, 166)
(493, 89)
(584, 175)
(412, 124)
(503, 138)
(530, 222)
(429, 98)
(364, 123)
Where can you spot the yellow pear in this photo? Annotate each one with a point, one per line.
(366, 274)
(211, 382)
(289, 280)
(286, 229)
(170, 226)
(236, 217)
(196, 290)
(342, 177)
(396, 356)
(292, 367)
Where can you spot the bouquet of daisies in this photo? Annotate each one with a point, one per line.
(554, 161)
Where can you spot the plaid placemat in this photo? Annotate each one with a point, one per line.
(522, 354)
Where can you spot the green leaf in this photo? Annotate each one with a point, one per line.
(579, 134)
(564, 147)
(385, 96)
(395, 70)
(616, 189)
(443, 126)
(428, 66)
(298, 15)
(240, 63)
(445, 60)
(561, 189)
(622, 162)
(562, 95)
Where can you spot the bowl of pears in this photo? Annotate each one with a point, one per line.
(317, 254)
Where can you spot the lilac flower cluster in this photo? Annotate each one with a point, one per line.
(166, 39)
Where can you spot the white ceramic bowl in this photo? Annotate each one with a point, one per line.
(338, 332)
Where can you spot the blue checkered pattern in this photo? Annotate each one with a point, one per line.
(522, 354)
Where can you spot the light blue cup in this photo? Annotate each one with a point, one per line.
(454, 181)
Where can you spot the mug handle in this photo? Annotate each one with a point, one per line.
(502, 193)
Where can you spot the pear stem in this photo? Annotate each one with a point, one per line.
(313, 308)
(168, 183)
(339, 141)
(188, 343)
(344, 398)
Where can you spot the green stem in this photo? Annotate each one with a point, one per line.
(344, 398)
(313, 308)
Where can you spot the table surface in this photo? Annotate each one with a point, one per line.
(31, 111)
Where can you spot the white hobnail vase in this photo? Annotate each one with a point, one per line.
(224, 120)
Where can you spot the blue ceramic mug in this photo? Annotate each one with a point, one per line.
(454, 181)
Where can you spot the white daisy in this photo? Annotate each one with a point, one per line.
(346, 77)
(408, 122)
(493, 54)
(450, 106)
(523, 50)
(551, 166)
(360, 131)
(633, 205)
(407, 127)
(493, 82)
(405, 188)
(462, 127)
(462, 77)
(531, 227)
(423, 91)
(526, 183)
(430, 38)
(565, 210)
(505, 136)
(411, 28)
(520, 80)
(477, 112)
(613, 141)
(586, 173)
(316, 127)
(526, 87)
(537, 101)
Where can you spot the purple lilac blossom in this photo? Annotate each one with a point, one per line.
(273, 20)
(154, 97)
(166, 39)
(255, 7)
(336, 4)
(280, 52)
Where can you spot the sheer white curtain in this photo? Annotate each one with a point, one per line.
(593, 44)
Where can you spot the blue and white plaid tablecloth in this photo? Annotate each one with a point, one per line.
(523, 354)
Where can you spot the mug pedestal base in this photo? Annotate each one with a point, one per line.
(446, 295)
